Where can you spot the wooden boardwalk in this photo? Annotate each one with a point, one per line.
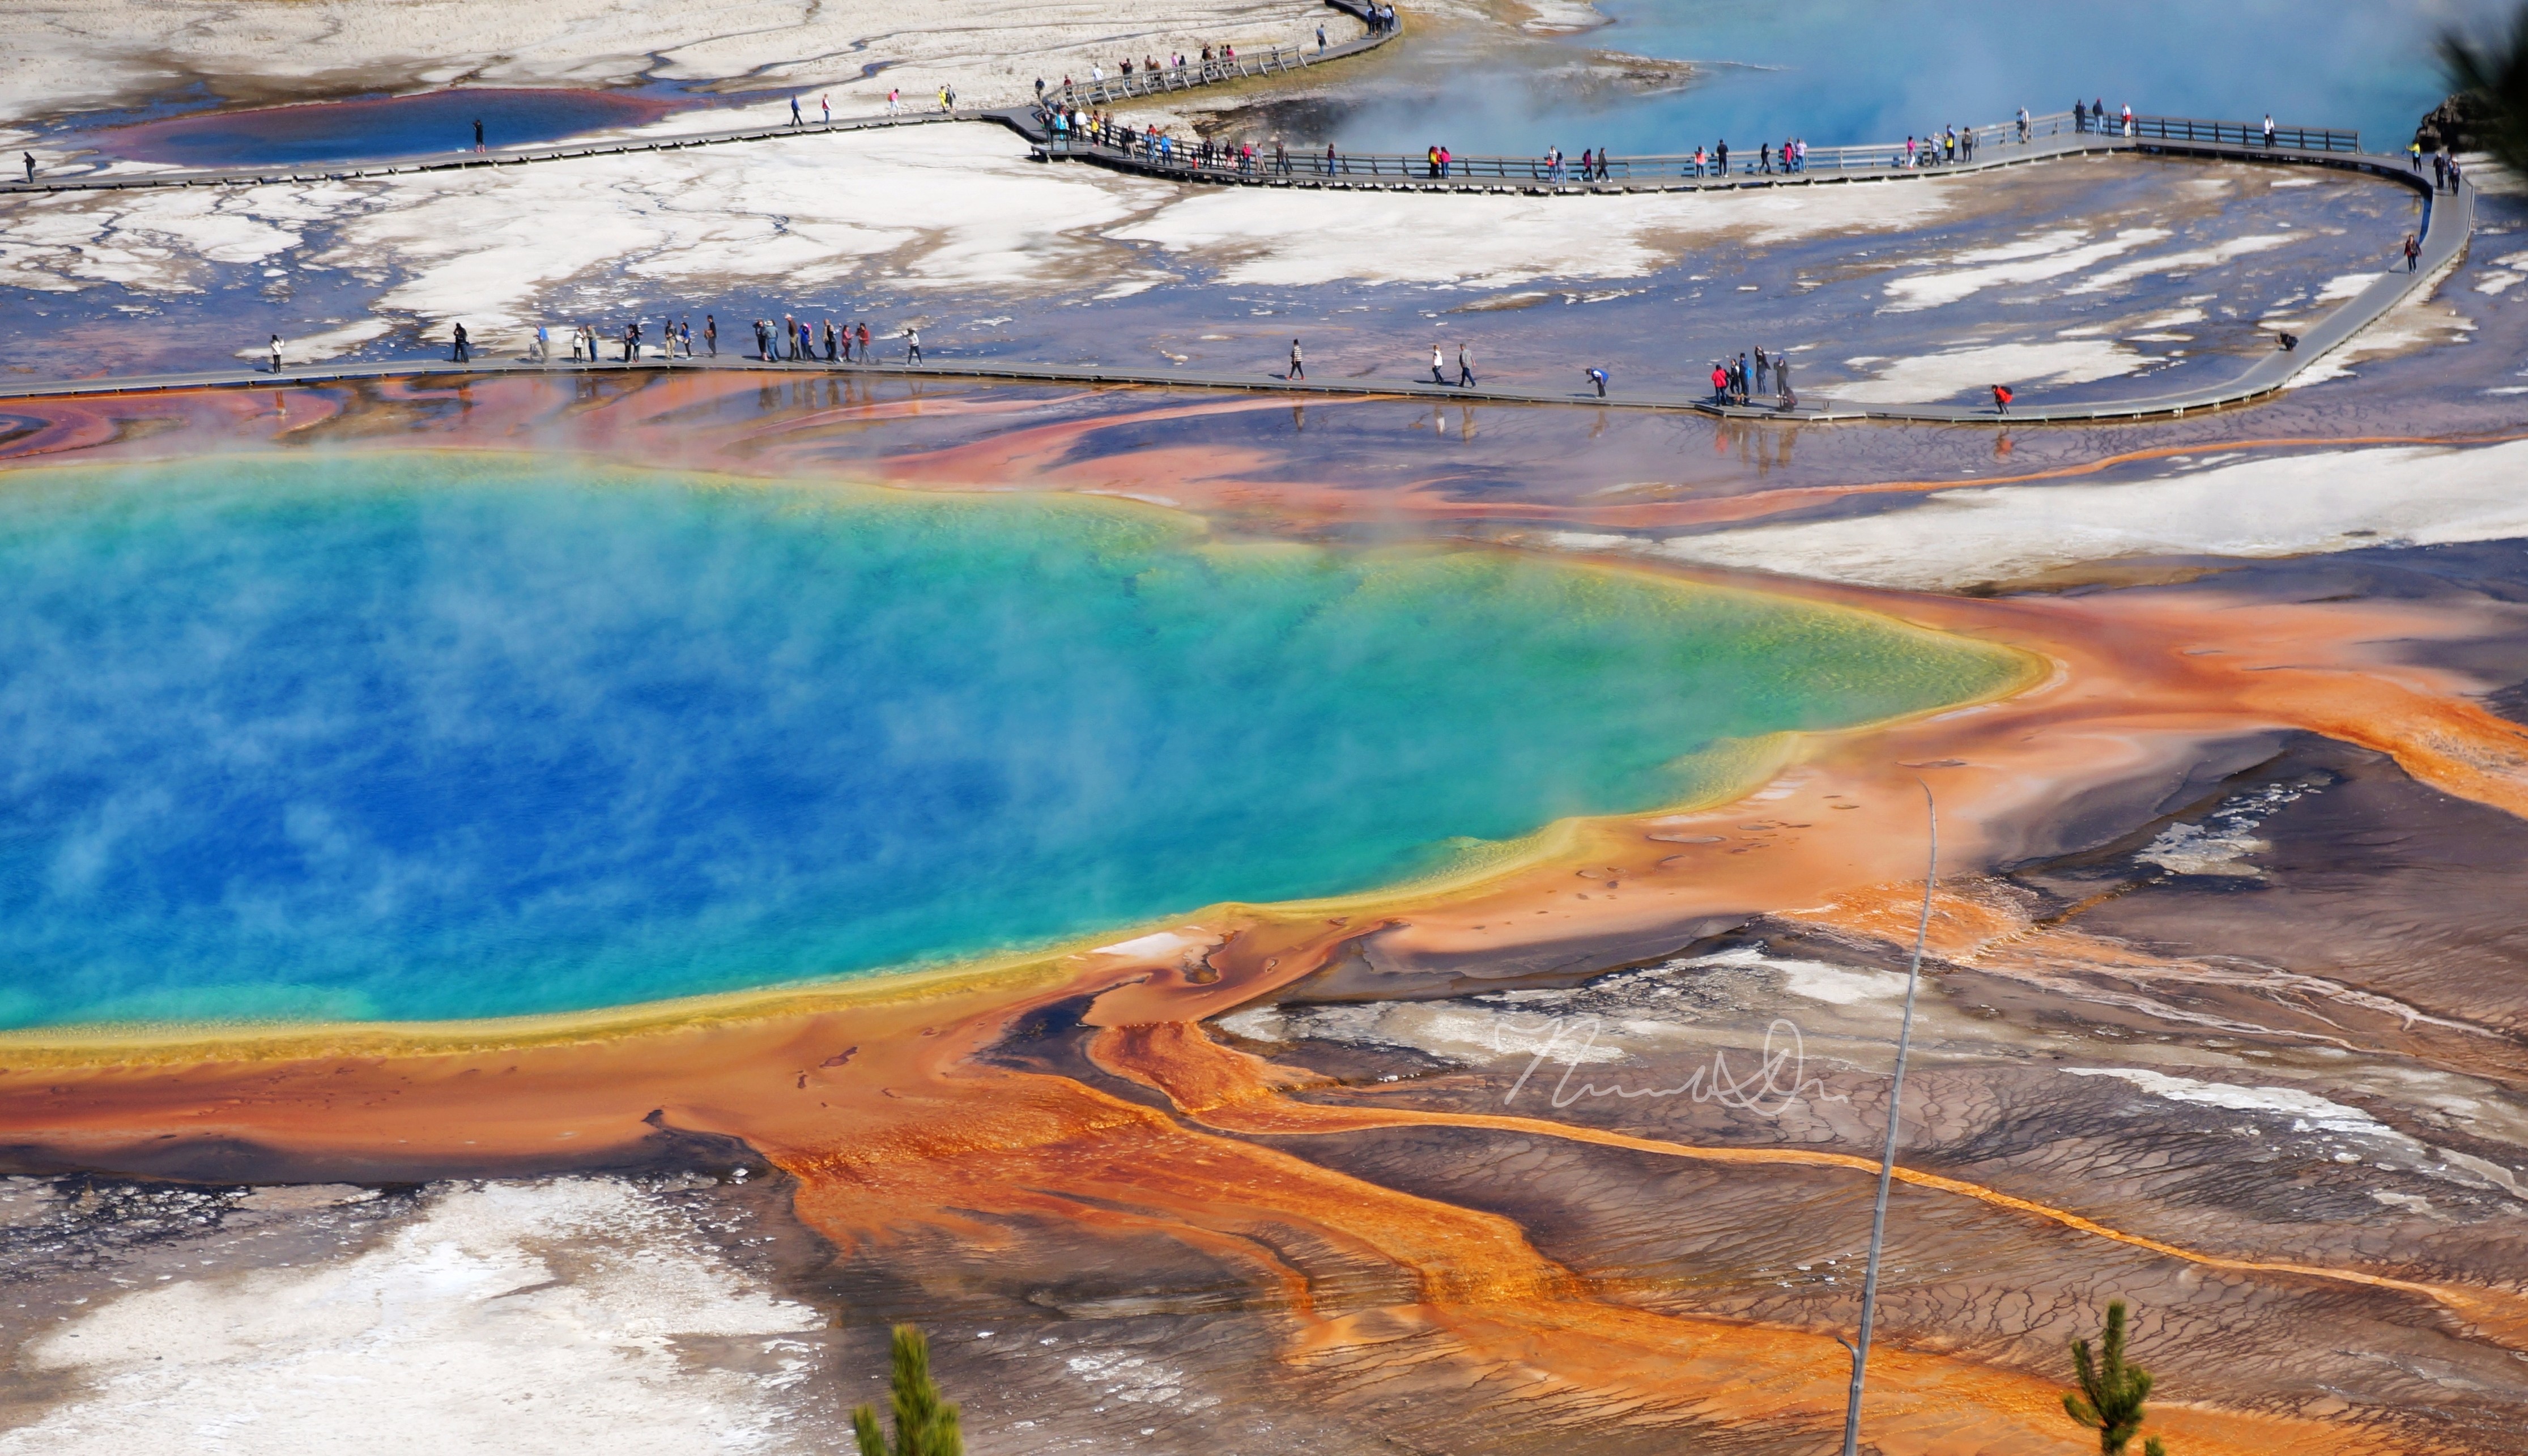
(2447, 223)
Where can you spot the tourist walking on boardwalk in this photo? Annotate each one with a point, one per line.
(276, 353)
(865, 355)
(685, 336)
(1721, 158)
(912, 346)
(478, 134)
(1741, 376)
(1436, 378)
(2440, 169)
(1321, 41)
(1784, 400)
(790, 337)
(711, 335)
(463, 352)
(1762, 366)
(893, 97)
(1719, 383)
(2023, 128)
(30, 167)
(2269, 130)
(825, 104)
(1465, 366)
(2413, 253)
(543, 347)
(796, 119)
(1598, 377)
(1298, 370)
(830, 346)
(2001, 400)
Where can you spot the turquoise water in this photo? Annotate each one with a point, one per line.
(1840, 72)
(417, 736)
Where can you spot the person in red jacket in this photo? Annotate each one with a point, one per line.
(2001, 400)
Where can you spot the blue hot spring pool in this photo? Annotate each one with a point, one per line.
(424, 735)
(375, 127)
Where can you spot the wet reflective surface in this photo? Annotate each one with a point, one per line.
(373, 129)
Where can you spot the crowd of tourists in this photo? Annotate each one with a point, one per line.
(2093, 118)
(798, 340)
(1741, 379)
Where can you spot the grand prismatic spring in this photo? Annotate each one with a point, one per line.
(1299, 837)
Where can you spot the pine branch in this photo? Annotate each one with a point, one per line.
(2494, 77)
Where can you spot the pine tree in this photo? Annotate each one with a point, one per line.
(2492, 79)
(925, 1425)
(2110, 1394)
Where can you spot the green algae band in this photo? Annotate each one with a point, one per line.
(422, 736)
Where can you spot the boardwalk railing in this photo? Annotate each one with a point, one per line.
(1169, 154)
(1984, 144)
(2243, 134)
(1157, 79)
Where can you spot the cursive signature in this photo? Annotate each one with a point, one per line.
(1778, 1078)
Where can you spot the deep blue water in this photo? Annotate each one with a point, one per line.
(1840, 71)
(420, 736)
(373, 128)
